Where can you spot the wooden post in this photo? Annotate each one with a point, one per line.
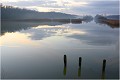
(65, 65)
(80, 60)
(103, 69)
(65, 60)
(104, 65)
(79, 69)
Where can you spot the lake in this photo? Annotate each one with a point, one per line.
(35, 50)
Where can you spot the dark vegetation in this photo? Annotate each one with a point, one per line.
(15, 13)
(111, 20)
(87, 18)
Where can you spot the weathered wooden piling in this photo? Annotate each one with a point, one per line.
(80, 61)
(103, 69)
(79, 69)
(65, 60)
(104, 65)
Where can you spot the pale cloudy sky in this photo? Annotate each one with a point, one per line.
(80, 7)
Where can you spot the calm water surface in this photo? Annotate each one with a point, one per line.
(34, 50)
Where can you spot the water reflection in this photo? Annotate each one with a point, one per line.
(79, 72)
(103, 75)
(50, 42)
(97, 37)
(112, 24)
(12, 26)
(80, 65)
(64, 70)
(43, 30)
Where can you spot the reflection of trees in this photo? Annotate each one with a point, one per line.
(114, 24)
(102, 20)
(13, 26)
(95, 37)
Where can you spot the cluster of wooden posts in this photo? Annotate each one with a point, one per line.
(80, 62)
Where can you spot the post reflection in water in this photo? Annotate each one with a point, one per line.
(64, 70)
(103, 69)
(79, 69)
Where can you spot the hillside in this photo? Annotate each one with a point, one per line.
(113, 17)
(13, 13)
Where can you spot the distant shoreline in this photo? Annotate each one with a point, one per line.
(48, 20)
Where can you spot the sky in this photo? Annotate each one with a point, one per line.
(79, 7)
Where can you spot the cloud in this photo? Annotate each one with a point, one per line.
(106, 37)
(40, 5)
(69, 6)
(98, 38)
(96, 7)
(32, 3)
(7, 1)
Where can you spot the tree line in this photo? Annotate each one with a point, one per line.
(10, 12)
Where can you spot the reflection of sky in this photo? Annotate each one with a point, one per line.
(86, 33)
(28, 53)
(95, 34)
(68, 6)
(47, 31)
